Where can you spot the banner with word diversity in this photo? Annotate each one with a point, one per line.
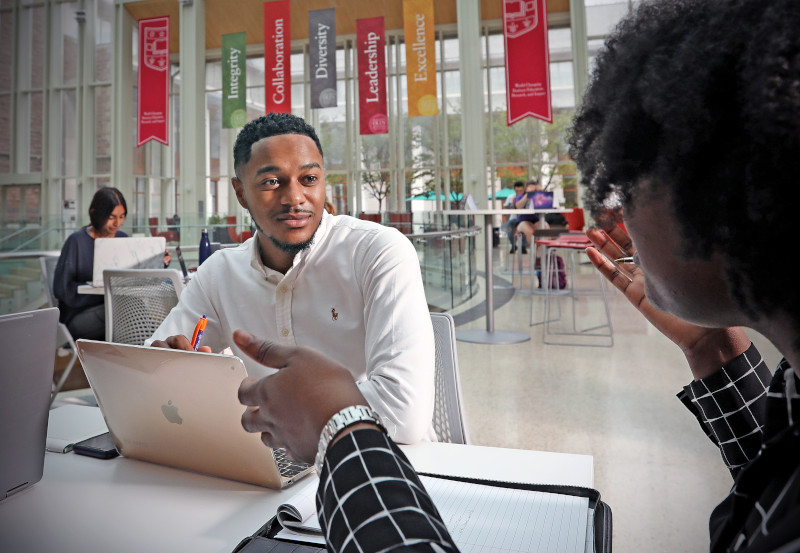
(322, 57)
(234, 80)
(152, 100)
(277, 55)
(420, 57)
(371, 48)
(527, 60)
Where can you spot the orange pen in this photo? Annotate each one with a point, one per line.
(198, 332)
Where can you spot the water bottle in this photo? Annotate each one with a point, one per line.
(205, 246)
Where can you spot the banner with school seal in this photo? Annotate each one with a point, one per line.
(420, 41)
(371, 48)
(152, 96)
(234, 82)
(527, 60)
(322, 57)
(277, 55)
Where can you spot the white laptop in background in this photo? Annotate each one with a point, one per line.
(127, 253)
(28, 346)
(181, 409)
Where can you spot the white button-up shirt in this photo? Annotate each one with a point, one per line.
(356, 295)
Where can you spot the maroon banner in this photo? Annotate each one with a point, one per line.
(527, 60)
(277, 55)
(152, 117)
(371, 45)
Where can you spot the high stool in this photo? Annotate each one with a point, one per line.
(597, 335)
(516, 263)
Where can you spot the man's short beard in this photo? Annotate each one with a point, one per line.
(292, 249)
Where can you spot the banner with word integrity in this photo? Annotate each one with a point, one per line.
(234, 82)
(420, 41)
(371, 47)
(152, 105)
(277, 55)
(527, 60)
(322, 57)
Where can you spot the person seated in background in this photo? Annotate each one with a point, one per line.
(350, 288)
(511, 225)
(84, 314)
(701, 156)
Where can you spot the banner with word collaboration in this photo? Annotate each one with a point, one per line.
(322, 57)
(152, 100)
(234, 82)
(527, 60)
(420, 57)
(371, 46)
(277, 56)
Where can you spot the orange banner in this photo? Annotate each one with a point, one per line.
(420, 57)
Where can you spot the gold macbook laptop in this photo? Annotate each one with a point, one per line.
(181, 409)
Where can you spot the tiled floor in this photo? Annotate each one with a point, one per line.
(652, 463)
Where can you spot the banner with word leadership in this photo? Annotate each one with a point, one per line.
(277, 56)
(152, 105)
(322, 57)
(234, 80)
(527, 60)
(371, 47)
(420, 57)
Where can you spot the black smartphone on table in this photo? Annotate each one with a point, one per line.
(102, 447)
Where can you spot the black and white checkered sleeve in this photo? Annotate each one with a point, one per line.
(370, 499)
(731, 406)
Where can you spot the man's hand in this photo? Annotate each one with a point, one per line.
(178, 342)
(706, 349)
(290, 407)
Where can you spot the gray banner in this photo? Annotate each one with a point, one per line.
(322, 57)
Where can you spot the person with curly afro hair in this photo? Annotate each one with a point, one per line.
(688, 146)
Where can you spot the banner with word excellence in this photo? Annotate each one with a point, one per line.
(371, 46)
(234, 82)
(322, 57)
(277, 56)
(420, 41)
(152, 99)
(527, 60)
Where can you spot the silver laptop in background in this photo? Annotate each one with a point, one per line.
(127, 253)
(28, 345)
(181, 409)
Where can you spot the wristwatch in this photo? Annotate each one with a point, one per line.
(338, 422)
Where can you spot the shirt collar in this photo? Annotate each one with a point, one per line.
(255, 255)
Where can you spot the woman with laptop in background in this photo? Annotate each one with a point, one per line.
(84, 314)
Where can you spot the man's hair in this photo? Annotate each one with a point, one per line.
(271, 124)
(519, 184)
(532, 180)
(701, 99)
(103, 203)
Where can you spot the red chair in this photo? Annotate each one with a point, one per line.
(169, 235)
(575, 220)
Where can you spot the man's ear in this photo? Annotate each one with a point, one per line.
(238, 187)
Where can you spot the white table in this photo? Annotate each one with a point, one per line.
(490, 335)
(87, 505)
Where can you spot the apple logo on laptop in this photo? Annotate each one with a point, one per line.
(171, 412)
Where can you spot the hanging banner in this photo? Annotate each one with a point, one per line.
(152, 105)
(234, 81)
(527, 60)
(322, 57)
(420, 57)
(371, 46)
(277, 54)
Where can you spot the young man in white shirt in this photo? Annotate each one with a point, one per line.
(345, 287)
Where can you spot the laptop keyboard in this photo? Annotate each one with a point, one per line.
(286, 466)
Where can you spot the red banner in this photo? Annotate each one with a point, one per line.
(152, 118)
(527, 60)
(277, 55)
(371, 44)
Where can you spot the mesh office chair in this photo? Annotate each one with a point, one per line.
(448, 413)
(137, 301)
(48, 265)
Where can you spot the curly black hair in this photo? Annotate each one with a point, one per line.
(271, 124)
(701, 99)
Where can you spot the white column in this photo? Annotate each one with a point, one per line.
(122, 108)
(580, 49)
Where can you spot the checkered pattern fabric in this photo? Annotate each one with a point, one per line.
(370, 500)
(752, 416)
